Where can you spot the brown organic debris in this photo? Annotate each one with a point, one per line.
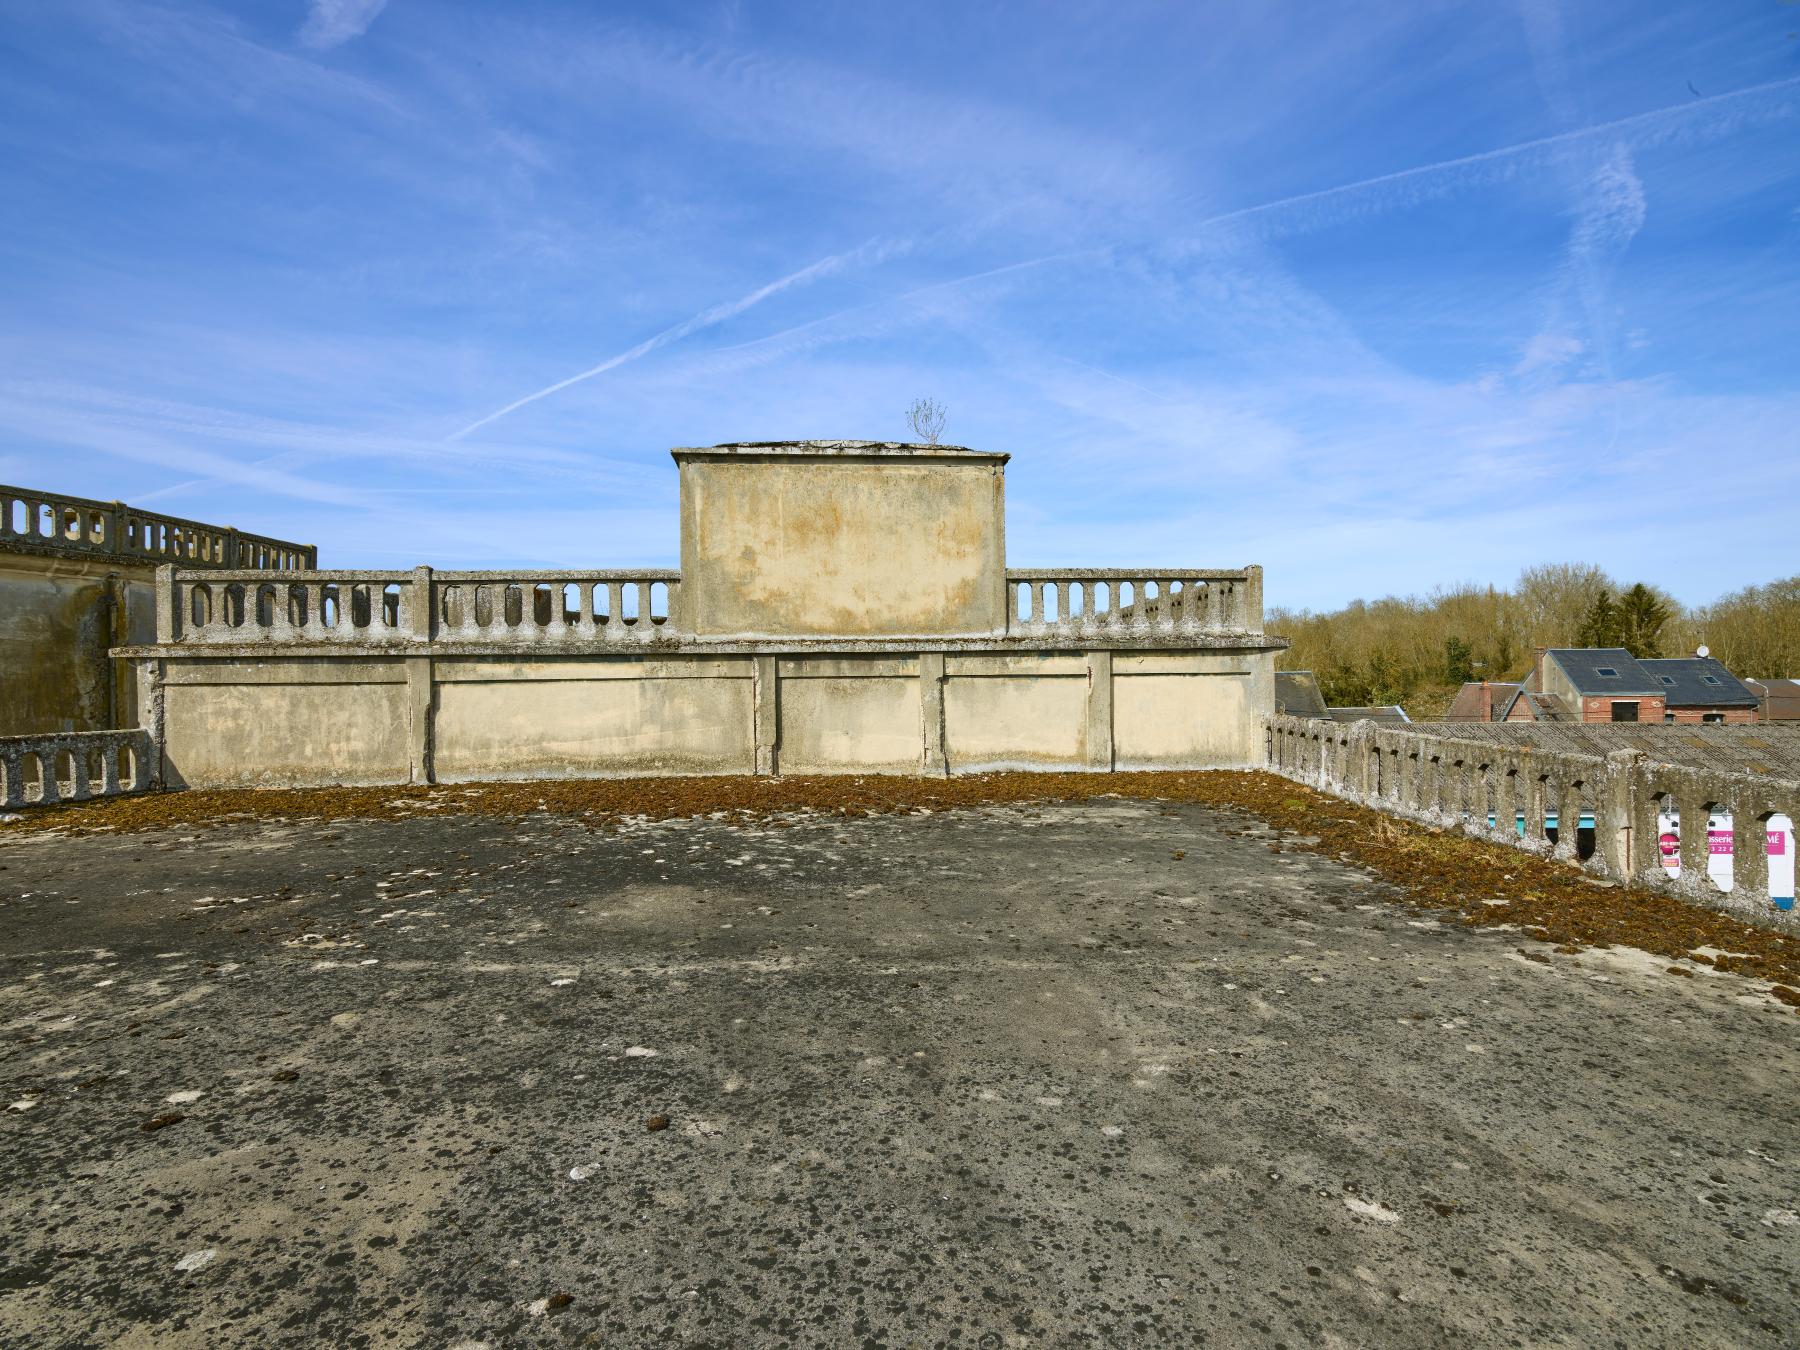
(656, 1123)
(166, 1119)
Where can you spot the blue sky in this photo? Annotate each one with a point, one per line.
(1381, 295)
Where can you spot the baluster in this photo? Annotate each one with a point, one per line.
(584, 598)
(80, 786)
(1063, 622)
(558, 628)
(615, 611)
(646, 629)
(1696, 849)
(109, 768)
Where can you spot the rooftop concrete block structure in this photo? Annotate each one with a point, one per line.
(842, 539)
(842, 606)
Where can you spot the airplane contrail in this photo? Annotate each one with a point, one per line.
(1673, 111)
(704, 319)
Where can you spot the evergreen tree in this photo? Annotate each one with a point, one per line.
(1600, 625)
(1640, 617)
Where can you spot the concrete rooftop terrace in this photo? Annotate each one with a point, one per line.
(1113, 1071)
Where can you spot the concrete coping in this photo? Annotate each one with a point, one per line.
(841, 449)
(537, 648)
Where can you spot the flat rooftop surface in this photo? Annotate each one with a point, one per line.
(1112, 1072)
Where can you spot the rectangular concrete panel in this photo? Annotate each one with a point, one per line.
(593, 728)
(1025, 721)
(1183, 721)
(279, 735)
(850, 725)
(838, 546)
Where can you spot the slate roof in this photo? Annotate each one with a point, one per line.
(1699, 682)
(1394, 715)
(1297, 694)
(1583, 666)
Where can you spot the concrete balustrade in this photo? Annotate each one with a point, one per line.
(32, 520)
(74, 766)
(1462, 784)
(1079, 602)
(1123, 607)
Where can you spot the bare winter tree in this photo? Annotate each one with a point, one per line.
(926, 418)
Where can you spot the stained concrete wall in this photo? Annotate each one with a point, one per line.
(59, 616)
(316, 721)
(836, 543)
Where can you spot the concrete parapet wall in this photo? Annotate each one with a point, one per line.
(1460, 782)
(377, 718)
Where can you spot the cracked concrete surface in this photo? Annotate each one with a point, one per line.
(1115, 1072)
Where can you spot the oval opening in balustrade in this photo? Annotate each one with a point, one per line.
(31, 776)
(390, 604)
(602, 597)
(512, 604)
(360, 606)
(1022, 602)
(659, 602)
(96, 769)
(628, 603)
(231, 604)
(265, 606)
(296, 606)
(65, 772)
(1580, 800)
(200, 604)
(1101, 594)
(128, 769)
(569, 597)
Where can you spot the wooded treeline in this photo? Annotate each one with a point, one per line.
(1416, 650)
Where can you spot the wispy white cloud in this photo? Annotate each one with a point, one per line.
(331, 23)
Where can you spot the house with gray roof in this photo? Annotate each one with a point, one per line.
(1700, 689)
(1609, 684)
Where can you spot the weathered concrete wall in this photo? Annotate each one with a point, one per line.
(285, 722)
(850, 715)
(370, 719)
(1175, 709)
(1018, 712)
(58, 619)
(840, 544)
(592, 718)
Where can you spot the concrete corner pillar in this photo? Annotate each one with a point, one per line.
(766, 715)
(1100, 710)
(931, 713)
(168, 622)
(419, 716)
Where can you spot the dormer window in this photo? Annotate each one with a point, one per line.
(1607, 672)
